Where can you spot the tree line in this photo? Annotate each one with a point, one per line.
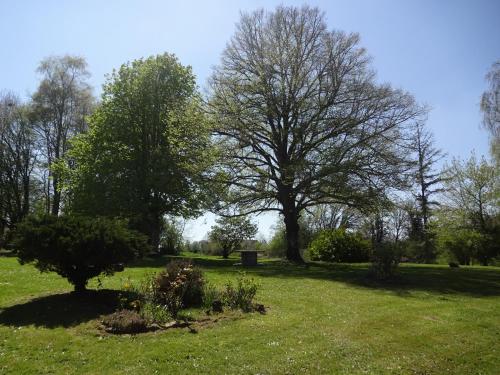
(294, 122)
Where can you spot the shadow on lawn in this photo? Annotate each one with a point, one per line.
(61, 310)
(476, 282)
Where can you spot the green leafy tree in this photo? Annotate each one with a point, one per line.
(338, 245)
(77, 248)
(471, 212)
(171, 239)
(148, 149)
(230, 232)
(302, 120)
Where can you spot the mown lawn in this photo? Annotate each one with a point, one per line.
(320, 320)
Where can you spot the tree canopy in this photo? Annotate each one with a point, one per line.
(230, 232)
(59, 109)
(302, 119)
(148, 149)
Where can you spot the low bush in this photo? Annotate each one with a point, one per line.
(337, 245)
(241, 295)
(77, 248)
(180, 285)
(125, 321)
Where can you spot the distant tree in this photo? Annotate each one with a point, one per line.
(428, 183)
(148, 149)
(472, 207)
(331, 216)
(302, 121)
(171, 239)
(397, 221)
(77, 248)
(17, 161)
(471, 189)
(60, 105)
(490, 106)
(230, 232)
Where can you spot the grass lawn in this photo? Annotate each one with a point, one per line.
(320, 320)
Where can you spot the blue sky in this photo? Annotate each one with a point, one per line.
(438, 50)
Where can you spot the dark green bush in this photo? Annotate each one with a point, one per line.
(385, 261)
(125, 321)
(337, 245)
(77, 248)
(180, 285)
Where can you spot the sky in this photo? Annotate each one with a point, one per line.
(438, 50)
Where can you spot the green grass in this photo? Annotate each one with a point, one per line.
(321, 320)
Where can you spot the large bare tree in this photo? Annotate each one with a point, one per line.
(61, 103)
(302, 120)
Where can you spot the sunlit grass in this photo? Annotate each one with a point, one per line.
(320, 320)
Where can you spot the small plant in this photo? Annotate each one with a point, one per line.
(125, 321)
(241, 295)
(211, 296)
(155, 314)
(385, 261)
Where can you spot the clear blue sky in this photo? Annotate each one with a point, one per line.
(439, 50)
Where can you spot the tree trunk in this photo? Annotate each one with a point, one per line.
(225, 253)
(155, 232)
(80, 287)
(291, 219)
(56, 199)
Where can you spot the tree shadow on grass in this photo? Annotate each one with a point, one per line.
(471, 281)
(61, 310)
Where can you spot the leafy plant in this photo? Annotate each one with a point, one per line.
(77, 248)
(241, 295)
(210, 295)
(180, 285)
(337, 245)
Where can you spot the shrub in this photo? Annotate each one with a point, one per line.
(180, 285)
(385, 261)
(77, 248)
(125, 321)
(240, 296)
(337, 245)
